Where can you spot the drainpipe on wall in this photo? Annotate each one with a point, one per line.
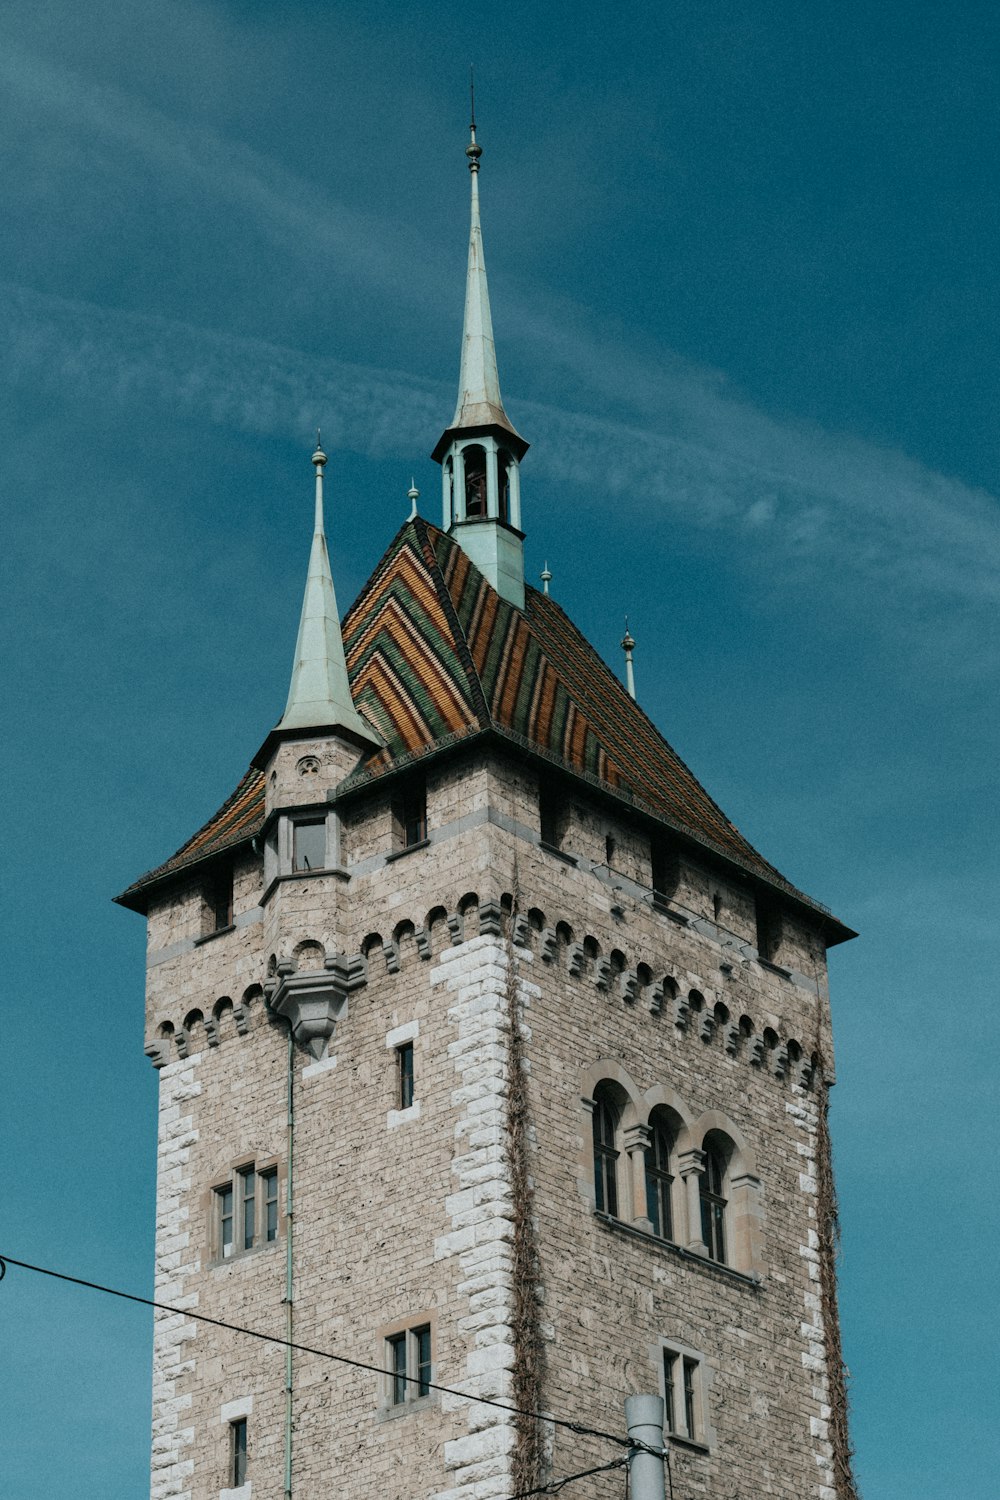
(289, 1223)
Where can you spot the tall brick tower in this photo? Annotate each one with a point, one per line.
(491, 1057)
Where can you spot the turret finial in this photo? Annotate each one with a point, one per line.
(628, 646)
(546, 578)
(413, 495)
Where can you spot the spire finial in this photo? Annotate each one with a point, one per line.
(546, 578)
(413, 495)
(319, 459)
(473, 150)
(628, 646)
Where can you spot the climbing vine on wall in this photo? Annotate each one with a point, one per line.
(829, 1238)
(528, 1368)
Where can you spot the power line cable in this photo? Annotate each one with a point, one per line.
(356, 1364)
(555, 1485)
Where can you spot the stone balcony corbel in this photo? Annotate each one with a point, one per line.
(313, 1001)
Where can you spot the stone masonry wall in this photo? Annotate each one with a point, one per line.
(404, 1217)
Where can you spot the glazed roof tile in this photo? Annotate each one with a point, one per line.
(435, 656)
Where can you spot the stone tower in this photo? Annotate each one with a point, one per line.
(491, 1058)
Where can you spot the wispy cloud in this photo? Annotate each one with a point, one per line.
(816, 495)
(664, 439)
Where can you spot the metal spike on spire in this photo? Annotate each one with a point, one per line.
(628, 646)
(546, 578)
(413, 495)
(319, 696)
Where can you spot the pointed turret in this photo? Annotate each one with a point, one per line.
(319, 696)
(480, 452)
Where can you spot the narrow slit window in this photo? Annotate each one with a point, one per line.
(422, 1350)
(404, 1065)
(397, 1367)
(309, 845)
(659, 1184)
(249, 1197)
(238, 1452)
(669, 1394)
(713, 1205)
(225, 1206)
(269, 1186)
(690, 1373)
(605, 1158)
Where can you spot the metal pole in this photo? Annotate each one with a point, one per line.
(644, 1420)
(289, 1263)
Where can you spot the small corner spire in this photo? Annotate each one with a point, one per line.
(319, 696)
(413, 495)
(546, 578)
(628, 646)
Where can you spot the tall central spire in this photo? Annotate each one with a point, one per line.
(479, 401)
(480, 452)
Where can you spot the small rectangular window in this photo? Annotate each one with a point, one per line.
(682, 1395)
(245, 1211)
(409, 815)
(665, 869)
(404, 1063)
(551, 814)
(225, 1207)
(238, 1452)
(269, 1187)
(408, 1364)
(768, 930)
(309, 845)
(248, 1207)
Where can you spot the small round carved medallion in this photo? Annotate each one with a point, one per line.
(308, 766)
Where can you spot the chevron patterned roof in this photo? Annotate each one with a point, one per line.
(436, 656)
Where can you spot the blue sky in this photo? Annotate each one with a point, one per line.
(743, 265)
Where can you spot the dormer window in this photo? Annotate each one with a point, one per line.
(309, 844)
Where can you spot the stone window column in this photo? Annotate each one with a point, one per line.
(746, 1217)
(447, 507)
(637, 1140)
(514, 474)
(458, 486)
(492, 490)
(691, 1165)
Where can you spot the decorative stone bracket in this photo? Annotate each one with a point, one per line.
(312, 1002)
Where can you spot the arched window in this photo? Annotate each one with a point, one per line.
(605, 1154)
(713, 1200)
(660, 1179)
(475, 482)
